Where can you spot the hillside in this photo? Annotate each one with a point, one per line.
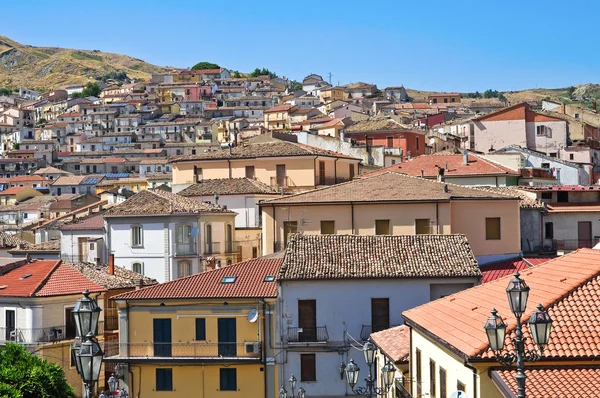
(45, 68)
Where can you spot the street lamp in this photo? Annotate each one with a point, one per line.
(292, 381)
(86, 350)
(540, 326)
(352, 371)
(113, 386)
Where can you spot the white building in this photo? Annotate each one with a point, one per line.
(83, 241)
(335, 290)
(166, 236)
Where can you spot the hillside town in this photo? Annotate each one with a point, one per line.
(262, 237)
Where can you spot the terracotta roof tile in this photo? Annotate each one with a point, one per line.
(394, 342)
(568, 286)
(526, 202)
(249, 282)
(8, 240)
(375, 125)
(13, 191)
(227, 186)
(369, 257)
(66, 280)
(15, 283)
(553, 382)
(122, 277)
(159, 202)
(389, 187)
(95, 222)
(492, 271)
(44, 247)
(578, 207)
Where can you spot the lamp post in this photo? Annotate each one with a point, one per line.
(86, 350)
(352, 371)
(540, 325)
(113, 386)
(292, 381)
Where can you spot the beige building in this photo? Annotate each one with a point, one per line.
(396, 204)
(283, 165)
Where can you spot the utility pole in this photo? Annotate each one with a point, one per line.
(330, 75)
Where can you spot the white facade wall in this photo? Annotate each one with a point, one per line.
(498, 134)
(344, 306)
(485, 181)
(555, 138)
(375, 155)
(69, 243)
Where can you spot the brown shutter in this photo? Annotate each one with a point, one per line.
(380, 314)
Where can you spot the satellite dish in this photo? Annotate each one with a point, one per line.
(253, 315)
(194, 232)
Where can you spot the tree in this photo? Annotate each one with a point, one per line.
(296, 86)
(205, 65)
(5, 91)
(25, 375)
(501, 97)
(263, 72)
(571, 91)
(236, 74)
(77, 94)
(91, 90)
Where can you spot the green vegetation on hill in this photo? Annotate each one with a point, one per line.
(205, 65)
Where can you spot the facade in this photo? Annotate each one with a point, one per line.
(207, 335)
(449, 350)
(167, 236)
(83, 241)
(444, 98)
(396, 138)
(277, 118)
(396, 204)
(328, 303)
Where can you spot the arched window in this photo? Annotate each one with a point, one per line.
(229, 238)
(208, 239)
(138, 268)
(184, 268)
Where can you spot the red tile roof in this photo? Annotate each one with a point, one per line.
(11, 284)
(13, 190)
(573, 207)
(279, 108)
(492, 271)
(568, 286)
(96, 222)
(394, 342)
(249, 282)
(552, 382)
(66, 280)
(452, 164)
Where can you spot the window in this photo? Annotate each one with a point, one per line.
(492, 228)
(432, 384)
(540, 130)
(443, 384)
(250, 172)
(73, 190)
(228, 379)
(389, 142)
(545, 165)
(422, 226)
(228, 279)
(200, 328)
(461, 386)
(553, 154)
(418, 373)
(137, 268)
(164, 379)
(571, 156)
(136, 236)
(546, 195)
(327, 227)
(549, 228)
(351, 171)
(417, 142)
(380, 314)
(70, 328)
(184, 268)
(269, 278)
(308, 367)
(382, 227)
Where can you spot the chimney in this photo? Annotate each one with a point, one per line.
(445, 187)
(562, 108)
(465, 157)
(446, 166)
(111, 264)
(422, 173)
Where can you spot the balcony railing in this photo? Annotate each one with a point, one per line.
(536, 173)
(186, 249)
(233, 247)
(366, 330)
(111, 319)
(212, 248)
(573, 244)
(307, 335)
(31, 336)
(331, 180)
(280, 182)
(183, 350)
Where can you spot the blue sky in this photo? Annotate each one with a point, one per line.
(445, 45)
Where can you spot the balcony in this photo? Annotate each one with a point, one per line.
(280, 182)
(212, 248)
(573, 244)
(233, 247)
(186, 249)
(111, 319)
(366, 330)
(186, 350)
(307, 335)
(536, 173)
(331, 180)
(32, 336)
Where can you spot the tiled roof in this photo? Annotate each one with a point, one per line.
(262, 150)
(552, 382)
(452, 164)
(249, 282)
(492, 271)
(66, 280)
(68, 180)
(122, 277)
(12, 283)
(44, 247)
(526, 202)
(227, 186)
(158, 202)
(394, 342)
(91, 223)
(318, 257)
(279, 108)
(388, 187)
(13, 191)
(8, 240)
(375, 125)
(82, 212)
(573, 207)
(568, 287)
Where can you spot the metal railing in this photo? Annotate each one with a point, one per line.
(280, 182)
(76, 258)
(111, 319)
(366, 330)
(573, 244)
(233, 247)
(37, 335)
(307, 335)
(186, 249)
(536, 173)
(212, 248)
(183, 350)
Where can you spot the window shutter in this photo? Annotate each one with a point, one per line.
(200, 328)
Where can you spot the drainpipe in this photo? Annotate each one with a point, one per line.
(229, 166)
(437, 218)
(475, 395)
(274, 230)
(264, 348)
(335, 169)
(352, 216)
(315, 171)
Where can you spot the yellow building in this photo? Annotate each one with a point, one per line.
(134, 184)
(331, 94)
(450, 350)
(393, 346)
(207, 335)
(331, 129)
(170, 107)
(284, 165)
(396, 204)
(13, 195)
(277, 118)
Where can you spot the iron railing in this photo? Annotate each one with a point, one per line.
(183, 350)
(111, 319)
(35, 335)
(307, 335)
(233, 247)
(212, 248)
(573, 244)
(366, 330)
(280, 182)
(186, 249)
